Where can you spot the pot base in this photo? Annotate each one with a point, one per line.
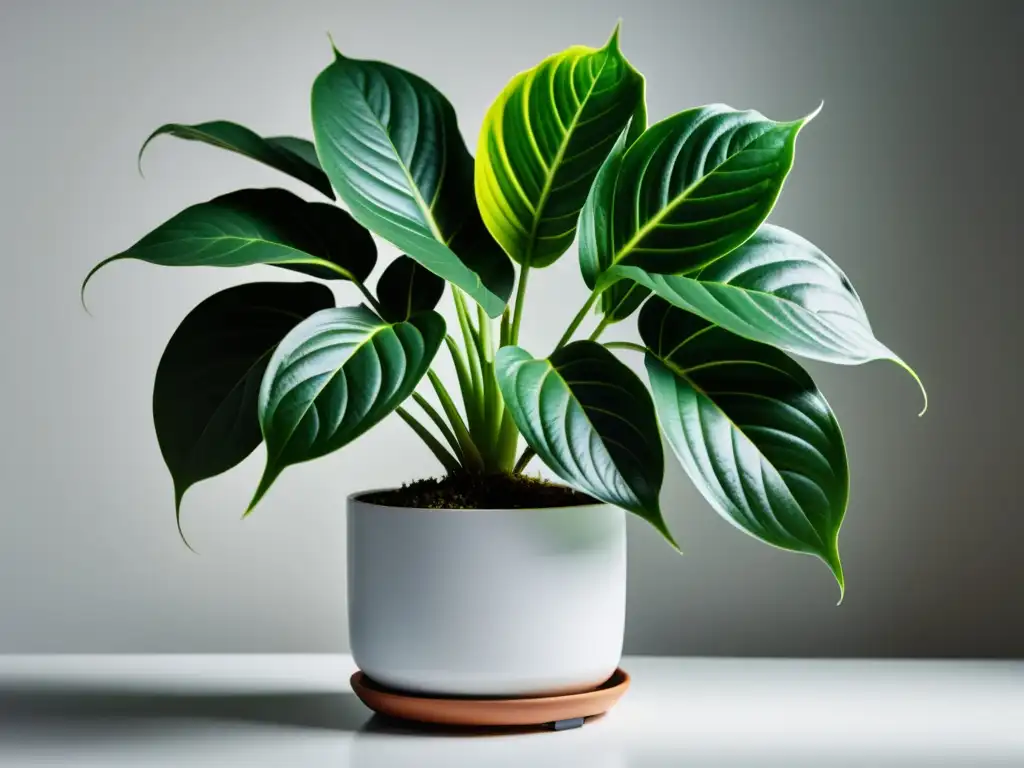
(560, 712)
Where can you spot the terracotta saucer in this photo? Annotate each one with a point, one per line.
(560, 711)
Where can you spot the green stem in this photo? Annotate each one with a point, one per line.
(577, 320)
(626, 345)
(475, 409)
(473, 461)
(517, 313)
(449, 462)
(605, 322)
(440, 423)
(528, 454)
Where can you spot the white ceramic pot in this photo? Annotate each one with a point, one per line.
(486, 602)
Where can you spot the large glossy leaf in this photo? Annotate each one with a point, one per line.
(390, 143)
(336, 375)
(204, 396)
(296, 157)
(689, 190)
(542, 143)
(752, 431)
(591, 420)
(259, 226)
(406, 288)
(780, 289)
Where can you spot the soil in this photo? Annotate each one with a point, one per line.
(466, 491)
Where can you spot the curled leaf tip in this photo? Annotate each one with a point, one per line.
(917, 380)
(337, 53)
(836, 566)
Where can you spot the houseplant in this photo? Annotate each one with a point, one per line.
(671, 227)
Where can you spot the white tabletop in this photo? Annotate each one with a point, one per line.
(298, 711)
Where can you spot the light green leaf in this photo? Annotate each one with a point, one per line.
(335, 376)
(296, 157)
(542, 143)
(779, 289)
(591, 420)
(259, 226)
(692, 188)
(204, 396)
(390, 143)
(752, 431)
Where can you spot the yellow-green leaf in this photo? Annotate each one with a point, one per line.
(543, 141)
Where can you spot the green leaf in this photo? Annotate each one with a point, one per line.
(390, 143)
(542, 143)
(779, 289)
(591, 420)
(623, 296)
(691, 189)
(406, 288)
(752, 431)
(335, 376)
(296, 157)
(204, 396)
(259, 226)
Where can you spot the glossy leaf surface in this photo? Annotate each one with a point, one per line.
(779, 289)
(406, 288)
(689, 190)
(390, 143)
(205, 393)
(296, 157)
(752, 431)
(543, 141)
(591, 420)
(335, 376)
(259, 226)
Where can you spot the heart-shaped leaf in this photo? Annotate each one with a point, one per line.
(259, 226)
(296, 157)
(336, 375)
(406, 288)
(591, 420)
(752, 431)
(779, 289)
(542, 143)
(689, 190)
(204, 396)
(390, 143)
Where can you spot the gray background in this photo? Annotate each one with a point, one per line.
(910, 178)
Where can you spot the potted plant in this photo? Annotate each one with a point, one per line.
(490, 581)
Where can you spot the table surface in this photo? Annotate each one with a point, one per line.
(252, 710)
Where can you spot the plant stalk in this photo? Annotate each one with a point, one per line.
(517, 313)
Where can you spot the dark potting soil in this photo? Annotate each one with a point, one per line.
(479, 492)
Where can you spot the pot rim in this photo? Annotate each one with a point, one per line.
(353, 498)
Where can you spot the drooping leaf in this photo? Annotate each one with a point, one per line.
(406, 288)
(296, 157)
(624, 296)
(259, 226)
(542, 143)
(204, 396)
(779, 289)
(692, 188)
(752, 431)
(335, 376)
(390, 143)
(591, 420)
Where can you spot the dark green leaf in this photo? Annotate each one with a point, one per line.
(406, 288)
(752, 431)
(336, 375)
(689, 190)
(544, 139)
(390, 143)
(296, 157)
(204, 397)
(590, 419)
(779, 289)
(259, 226)
(620, 299)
